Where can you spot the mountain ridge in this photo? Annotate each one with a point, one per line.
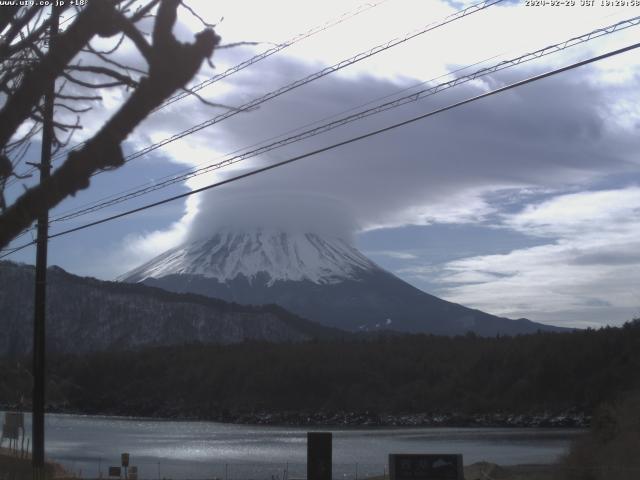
(285, 256)
(330, 283)
(86, 314)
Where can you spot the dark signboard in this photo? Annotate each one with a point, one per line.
(425, 467)
(13, 423)
(125, 459)
(10, 431)
(14, 419)
(114, 471)
(319, 461)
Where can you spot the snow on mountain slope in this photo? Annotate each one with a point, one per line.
(320, 278)
(282, 256)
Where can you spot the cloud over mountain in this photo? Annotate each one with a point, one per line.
(437, 170)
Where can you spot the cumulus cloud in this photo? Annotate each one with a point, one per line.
(393, 254)
(292, 211)
(442, 170)
(582, 214)
(437, 170)
(470, 165)
(588, 272)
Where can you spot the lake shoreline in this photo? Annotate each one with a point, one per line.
(567, 419)
(19, 467)
(171, 448)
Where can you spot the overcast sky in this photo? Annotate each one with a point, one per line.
(524, 204)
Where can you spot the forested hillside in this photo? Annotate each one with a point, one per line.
(545, 372)
(86, 315)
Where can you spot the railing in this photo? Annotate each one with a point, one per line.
(147, 469)
(197, 470)
(184, 470)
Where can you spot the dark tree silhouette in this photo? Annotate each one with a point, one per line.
(28, 67)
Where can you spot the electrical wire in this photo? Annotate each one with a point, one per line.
(326, 71)
(413, 97)
(269, 52)
(251, 61)
(342, 143)
(252, 104)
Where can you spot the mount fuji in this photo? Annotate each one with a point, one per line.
(322, 278)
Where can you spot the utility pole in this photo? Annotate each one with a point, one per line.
(39, 345)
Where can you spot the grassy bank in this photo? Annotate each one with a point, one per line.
(17, 466)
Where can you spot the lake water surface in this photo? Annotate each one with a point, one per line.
(189, 449)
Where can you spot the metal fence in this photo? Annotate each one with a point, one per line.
(183, 470)
(164, 470)
(195, 470)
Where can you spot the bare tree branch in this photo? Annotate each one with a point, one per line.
(136, 37)
(102, 56)
(31, 38)
(62, 126)
(167, 14)
(78, 97)
(123, 79)
(68, 44)
(143, 11)
(238, 44)
(216, 105)
(72, 109)
(194, 13)
(7, 15)
(35, 128)
(82, 83)
(172, 65)
(111, 50)
(16, 26)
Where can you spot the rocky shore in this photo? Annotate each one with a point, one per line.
(369, 419)
(565, 419)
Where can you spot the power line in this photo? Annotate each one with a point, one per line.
(187, 172)
(342, 143)
(236, 157)
(252, 104)
(190, 173)
(413, 97)
(271, 51)
(255, 59)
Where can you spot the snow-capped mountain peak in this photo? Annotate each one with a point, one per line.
(318, 277)
(280, 255)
